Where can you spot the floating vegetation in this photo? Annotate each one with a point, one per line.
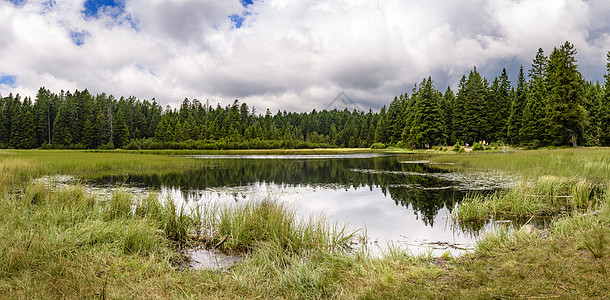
(462, 181)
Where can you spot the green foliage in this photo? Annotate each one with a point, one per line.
(565, 114)
(477, 147)
(426, 127)
(470, 116)
(378, 146)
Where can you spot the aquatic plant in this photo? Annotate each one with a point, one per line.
(269, 221)
(548, 195)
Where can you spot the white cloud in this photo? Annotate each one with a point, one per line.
(289, 55)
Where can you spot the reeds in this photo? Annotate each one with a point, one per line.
(548, 195)
(592, 164)
(268, 221)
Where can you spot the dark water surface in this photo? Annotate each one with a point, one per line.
(402, 203)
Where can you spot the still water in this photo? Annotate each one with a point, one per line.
(402, 203)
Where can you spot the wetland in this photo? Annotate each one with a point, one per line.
(402, 202)
(116, 224)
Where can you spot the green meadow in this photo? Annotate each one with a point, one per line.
(68, 243)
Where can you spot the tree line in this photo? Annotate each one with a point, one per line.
(554, 106)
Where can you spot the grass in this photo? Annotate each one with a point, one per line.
(270, 221)
(592, 164)
(66, 243)
(546, 196)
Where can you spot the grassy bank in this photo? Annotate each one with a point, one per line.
(546, 196)
(592, 164)
(67, 244)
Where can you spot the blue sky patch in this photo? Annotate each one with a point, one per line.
(93, 7)
(245, 3)
(112, 8)
(19, 2)
(237, 20)
(8, 80)
(78, 37)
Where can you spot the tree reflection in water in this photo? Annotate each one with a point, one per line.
(420, 186)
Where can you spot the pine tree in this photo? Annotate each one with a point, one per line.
(16, 129)
(447, 102)
(44, 115)
(470, 119)
(604, 113)
(459, 120)
(565, 114)
(122, 130)
(381, 132)
(427, 126)
(62, 133)
(533, 125)
(102, 128)
(395, 118)
(28, 136)
(516, 110)
(498, 109)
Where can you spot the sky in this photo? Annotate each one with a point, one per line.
(284, 54)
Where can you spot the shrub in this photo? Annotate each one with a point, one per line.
(378, 146)
(477, 147)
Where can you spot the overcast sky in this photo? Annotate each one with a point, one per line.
(291, 55)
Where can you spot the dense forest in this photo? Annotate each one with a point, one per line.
(555, 106)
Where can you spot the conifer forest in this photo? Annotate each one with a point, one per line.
(549, 104)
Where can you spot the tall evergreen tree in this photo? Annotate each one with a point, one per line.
(122, 130)
(381, 132)
(447, 102)
(470, 119)
(426, 129)
(516, 110)
(498, 110)
(17, 126)
(565, 114)
(604, 113)
(533, 125)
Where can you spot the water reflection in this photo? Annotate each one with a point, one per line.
(350, 188)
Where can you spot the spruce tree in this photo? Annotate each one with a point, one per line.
(533, 124)
(17, 126)
(604, 114)
(122, 130)
(426, 128)
(381, 132)
(516, 110)
(470, 118)
(500, 110)
(564, 114)
(447, 102)
(459, 120)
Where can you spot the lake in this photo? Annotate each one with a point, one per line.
(398, 201)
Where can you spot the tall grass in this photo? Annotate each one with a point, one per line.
(268, 221)
(592, 164)
(16, 171)
(548, 195)
(91, 164)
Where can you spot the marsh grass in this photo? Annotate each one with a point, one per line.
(57, 243)
(592, 164)
(16, 171)
(89, 164)
(269, 221)
(549, 195)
